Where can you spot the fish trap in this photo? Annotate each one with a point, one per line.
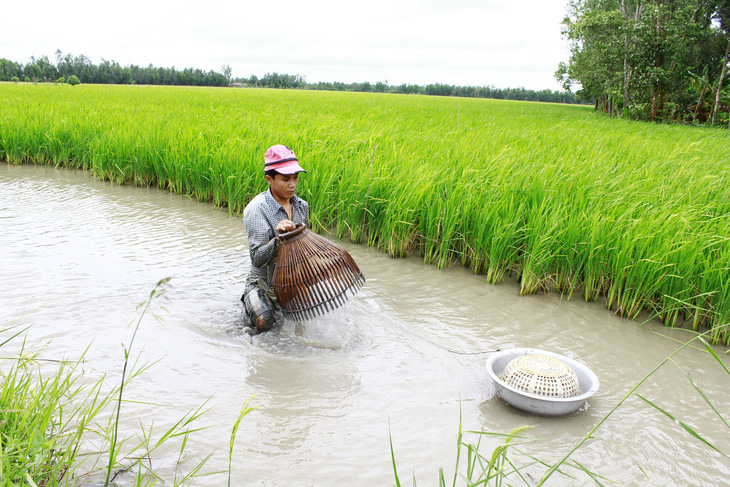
(312, 275)
(541, 375)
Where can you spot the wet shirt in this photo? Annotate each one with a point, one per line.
(261, 216)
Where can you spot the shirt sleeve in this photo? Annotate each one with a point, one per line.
(262, 245)
(306, 213)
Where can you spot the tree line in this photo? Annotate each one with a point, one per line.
(44, 70)
(277, 80)
(656, 60)
(106, 72)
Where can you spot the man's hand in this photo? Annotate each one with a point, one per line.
(285, 226)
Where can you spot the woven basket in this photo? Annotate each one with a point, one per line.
(541, 375)
(313, 275)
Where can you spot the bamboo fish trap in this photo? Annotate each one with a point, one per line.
(313, 275)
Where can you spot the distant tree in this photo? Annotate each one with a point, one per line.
(10, 69)
(61, 80)
(14, 79)
(73, 80)
(227, 72)
(32, 71)
(85, 71)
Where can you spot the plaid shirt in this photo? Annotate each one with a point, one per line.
(261, 216)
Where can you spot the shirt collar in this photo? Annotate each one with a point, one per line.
(271, 201)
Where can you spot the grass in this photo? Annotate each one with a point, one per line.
(39, 444)
(566, 200)
(53, 430)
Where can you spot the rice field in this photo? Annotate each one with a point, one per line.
(569, 201)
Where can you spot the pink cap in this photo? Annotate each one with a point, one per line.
(281, 159)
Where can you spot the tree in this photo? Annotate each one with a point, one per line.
(73, 80)
(640, 58)
(723, 16)
(10, 70)
(227, 72)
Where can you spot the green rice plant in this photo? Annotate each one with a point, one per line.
(245, 409)
(544, 227)
(636, 214)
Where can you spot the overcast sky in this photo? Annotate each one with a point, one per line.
(464, 42)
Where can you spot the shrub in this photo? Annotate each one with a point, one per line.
(14, 79)
(73, 80)
(61, 80)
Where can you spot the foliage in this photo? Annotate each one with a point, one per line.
(47, 418)
(634, 214)
(276, 80)
(110, 72)
(642, 58)
(245, 409)
(39, 444)
(61, 80)
(107, 72)
(73, 80)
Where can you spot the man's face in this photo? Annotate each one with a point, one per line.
(283, 186)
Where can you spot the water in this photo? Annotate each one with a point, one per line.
(402, 360)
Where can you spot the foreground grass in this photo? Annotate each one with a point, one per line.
(55, 428)
(39, 444)
(632, 213)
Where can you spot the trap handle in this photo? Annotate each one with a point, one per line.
(287, 235)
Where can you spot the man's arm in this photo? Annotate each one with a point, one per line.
(261, 245)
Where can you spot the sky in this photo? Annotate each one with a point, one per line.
(505, 44)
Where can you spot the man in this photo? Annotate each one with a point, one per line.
(276, 210)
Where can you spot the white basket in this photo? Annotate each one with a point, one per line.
(541, 375)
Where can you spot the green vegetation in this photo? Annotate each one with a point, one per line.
(107, 72)
(73, 80)
(651, 59)
(53, 429)
(40, 444)
(568, 200)
(276, 80)
(110, 72)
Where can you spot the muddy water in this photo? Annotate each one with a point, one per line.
(79, 255)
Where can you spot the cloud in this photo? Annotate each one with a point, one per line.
(464, 42)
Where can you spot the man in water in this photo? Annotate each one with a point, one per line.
(276, 210)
